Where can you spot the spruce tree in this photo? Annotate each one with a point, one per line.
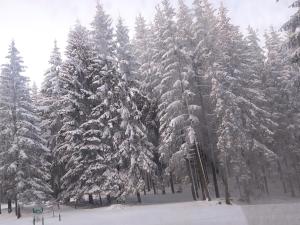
(24, 167)
(50, 110)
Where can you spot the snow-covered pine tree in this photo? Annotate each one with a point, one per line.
(243, 123)
(124, 53)
(255, 107)
(24, 167)
(129, 68)
(178, 110)
(102, 34)
(203, 55)
(50, 108)
(280, 94)
(76, 77)
(292, 27)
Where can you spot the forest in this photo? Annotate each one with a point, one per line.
(188, 100)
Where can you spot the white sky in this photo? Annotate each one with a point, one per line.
(34, 24)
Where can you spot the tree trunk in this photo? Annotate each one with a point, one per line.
(154, 187)
(265, 180)
(9, 206)
(172, 183)
(16, 207)
(203, 179)
(227, 195)
(18, 211)
(163, 191)
(290, 180)
(100, 200)
(215, 180)
(282, 178)
(138, 195)
(91, 199)
(239, 186)
(148, 182)
(108, 199)
(194, 173)
(193, 187)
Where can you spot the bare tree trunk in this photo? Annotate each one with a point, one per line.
(281, 177)
(9, 206)
(148, 182)
(225, 181)
(265, 180)
(203, 179)
(91, 199)
(18, 211)
(239, 185)
(290, 180)
(100, 200)
(163, 190)
(16, 206)
(172, 183)
(108, 199)
(154, 187)
(193, 187)
(215, 180)
(138, 195)
(194, 173)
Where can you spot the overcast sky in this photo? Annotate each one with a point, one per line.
(35, 24)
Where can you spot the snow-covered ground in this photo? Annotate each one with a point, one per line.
(183, 213)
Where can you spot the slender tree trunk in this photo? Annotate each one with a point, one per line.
(0, 199)
(100, 200)
(215, 180)
(239, 185)
(203, 179)
(265, 180)
(108, 199)
(172, 183)
(163, 191)
(225, 181)
(16, 206)
(194, 172)
(247, 192)
(193, 187)
(291, 184)
(138, 195)
(148, 182)
(9, 206)
(18, 211)
(154, 187)
(281, 177)
(91, 199)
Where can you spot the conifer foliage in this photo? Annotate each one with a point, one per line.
(189, 100)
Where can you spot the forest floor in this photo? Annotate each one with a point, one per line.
(176, 209)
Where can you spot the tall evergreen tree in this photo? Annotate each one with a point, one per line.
(50, 110)
(102, 33)
(24, 167)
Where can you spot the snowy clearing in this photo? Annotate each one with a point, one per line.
(184, 213)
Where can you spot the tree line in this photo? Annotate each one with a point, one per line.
(189, 100)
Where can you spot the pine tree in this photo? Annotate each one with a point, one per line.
(24, 167)
(50, 108)
(178, 111)
(102, 33)
(76, 77)
(124, 54)
(281, 95)
(292, 27)
(244, 124)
